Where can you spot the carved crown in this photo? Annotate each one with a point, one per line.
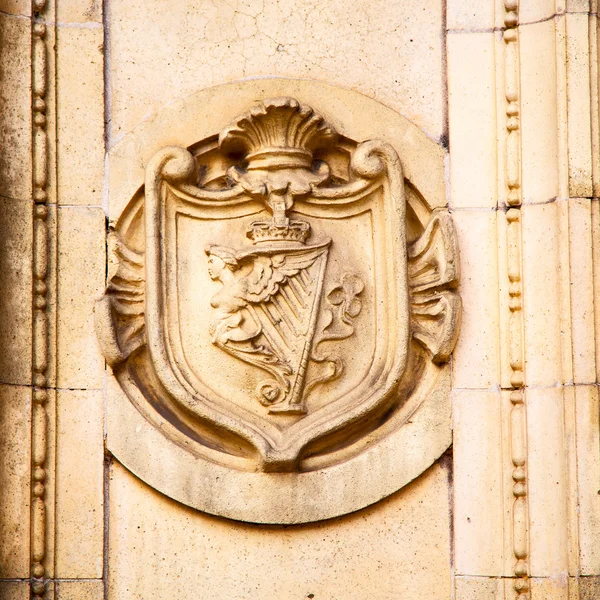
(267, 231)
(278, 133)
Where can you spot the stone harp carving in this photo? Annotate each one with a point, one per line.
(265, 306)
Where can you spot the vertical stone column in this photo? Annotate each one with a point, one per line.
(546, 121)
(81, 270)
(481, 362)
(40, 341)
(16, 240)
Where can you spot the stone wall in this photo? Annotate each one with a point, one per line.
(464, 464)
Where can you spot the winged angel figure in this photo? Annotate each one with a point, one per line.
(266, 311)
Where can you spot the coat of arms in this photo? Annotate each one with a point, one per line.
(266, 300)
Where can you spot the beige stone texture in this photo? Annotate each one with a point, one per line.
(582, 6)
(476, 15)
(80, 590)
(15, 461)
(478, 526)
(15, 103)
(375, 553)
(547, 482)
(595, 226)
(79, 484)
(77, 11)
(14, 590)
(480, 588)
(16, 237)
(560, 587)
(81, 265)
(201, 45)
(504, 315)
(539, 112)
(588, 475)
(579, 109)
(476, 360)
(16, 7)
(80, 116)
(541, 310)
(472, 114)
(589, 588)
(50, 482)
(582, 290)
(537, 10)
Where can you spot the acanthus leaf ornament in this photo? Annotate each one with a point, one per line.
(267, 302)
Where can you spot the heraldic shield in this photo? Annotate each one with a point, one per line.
(264, 297)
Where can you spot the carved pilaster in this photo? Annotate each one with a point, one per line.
(518, 431)
(39, 433)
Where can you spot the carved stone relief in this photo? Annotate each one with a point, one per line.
(280, 302)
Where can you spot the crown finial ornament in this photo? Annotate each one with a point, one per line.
(278, 133)
(277, 139)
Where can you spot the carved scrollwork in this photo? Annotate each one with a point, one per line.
(433, 271)
(120, 312)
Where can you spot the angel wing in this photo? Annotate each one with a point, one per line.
(271, 270)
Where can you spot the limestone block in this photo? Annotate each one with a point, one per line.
(16, 7)
(588, 475)
(80, 590)
(15, 106)
(376, 553)
(476, 360)
(472, 113)
(579, 110)
(541, 309)
(372, 48)
(556, 588)
(580, 6)
(81, 269)
(49, 481)
(589, 588)
(478, 485)
(16, 235)
(51, 297)
(479, 588)
(14, 590)
(79, 485)
(80, 115)
(581, 290)
(76, 11)
(546, 465)
(533, 11)
(539, 111)
(15, 464)
(476, 15)
(595, 233)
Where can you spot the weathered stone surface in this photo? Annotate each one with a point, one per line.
(356, 555)
(15, 461)
(414, 468)
(372, 48)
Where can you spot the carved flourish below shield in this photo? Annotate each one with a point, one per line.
(271, 302)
